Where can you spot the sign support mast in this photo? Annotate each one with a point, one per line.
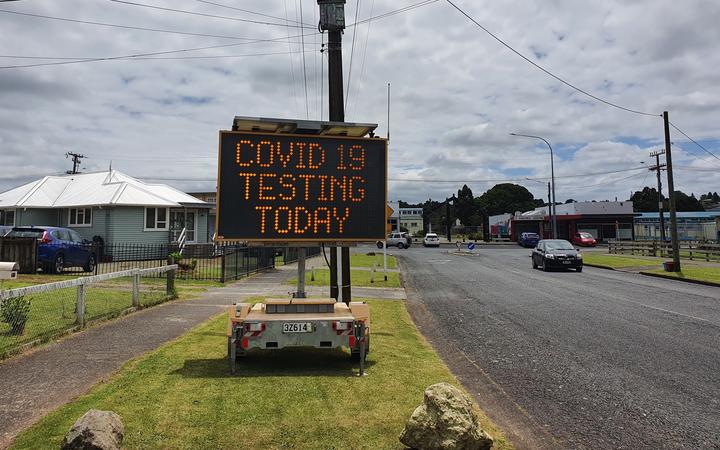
(332, 20)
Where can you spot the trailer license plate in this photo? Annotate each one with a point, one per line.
(297, 327)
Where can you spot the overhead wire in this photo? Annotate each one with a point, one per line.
(133, 27)
(234, 8)
(141, 56)
(352, 53)
(546, 71)
(393, 12)
(307, 109)
(694, 141)
(212, 16)
(362, 65)
(292, 65)
(471, 180)
(430, 180)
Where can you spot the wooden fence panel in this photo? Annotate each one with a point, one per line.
(20, 250)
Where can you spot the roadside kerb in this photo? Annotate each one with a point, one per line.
(687, 280)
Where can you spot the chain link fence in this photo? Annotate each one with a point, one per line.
(35, 314)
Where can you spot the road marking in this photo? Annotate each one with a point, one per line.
(671, 312)
(439, 261)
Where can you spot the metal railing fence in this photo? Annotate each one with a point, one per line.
(35, 314)
(211, 262)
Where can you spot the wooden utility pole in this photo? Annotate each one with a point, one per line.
(76, 157)
(671, 195)
(332, 20)
(658, 168)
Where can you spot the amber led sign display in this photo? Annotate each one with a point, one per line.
(285, 187)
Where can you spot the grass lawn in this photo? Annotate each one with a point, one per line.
(711, 274)
(618, 262)
(182, 397)
(357, 278)
(360, 260)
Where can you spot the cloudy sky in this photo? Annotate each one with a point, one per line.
(456, 92)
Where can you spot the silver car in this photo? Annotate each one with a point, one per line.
(399, 239)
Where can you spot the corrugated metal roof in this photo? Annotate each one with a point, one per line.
(94, 189)
(681, 214)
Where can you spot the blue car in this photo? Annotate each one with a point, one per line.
(58, 248)
(528, 239)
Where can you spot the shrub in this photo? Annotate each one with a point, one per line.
(15, 312)
(176, 256)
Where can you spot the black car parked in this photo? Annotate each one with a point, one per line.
(556, 254)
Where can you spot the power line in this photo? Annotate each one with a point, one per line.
(567, 83)
(134, 56)
(352, 53)
(392, 13)
(430, 180)
(131, 27)
(212, 16)
(292, 65)
(307, 110)
(470, 180)
(362, 65)
(247, 11)
(694, 141)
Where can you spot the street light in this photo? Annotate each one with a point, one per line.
(553, 210)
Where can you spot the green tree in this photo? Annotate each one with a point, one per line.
(506, 198)
(465, 205)
(645, 200)
(683, 202)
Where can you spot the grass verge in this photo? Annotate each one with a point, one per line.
(619, 262)
(357, 278)
(702, 274)
(182, 397)
(360, 260)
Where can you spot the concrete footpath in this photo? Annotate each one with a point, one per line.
(35, 383)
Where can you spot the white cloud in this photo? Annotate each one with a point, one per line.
(456, 92)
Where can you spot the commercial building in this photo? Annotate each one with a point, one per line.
(604, 220)
(694, 226)
(411, 219)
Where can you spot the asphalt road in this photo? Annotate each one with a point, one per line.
(597, 359)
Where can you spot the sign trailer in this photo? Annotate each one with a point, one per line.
(299, 183)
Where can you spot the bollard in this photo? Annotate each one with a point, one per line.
(312, 274)
(372, 274)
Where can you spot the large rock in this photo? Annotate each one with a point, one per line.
(95, 430)
(446, 420)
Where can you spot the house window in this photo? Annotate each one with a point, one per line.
(211, 199)
(80, 217)
(156, 219)
(7, 218)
